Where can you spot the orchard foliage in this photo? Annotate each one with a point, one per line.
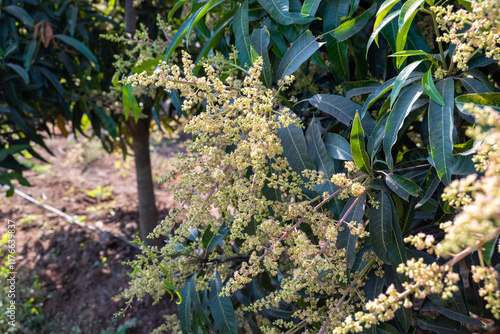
(337, 181)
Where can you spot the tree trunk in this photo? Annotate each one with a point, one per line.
(148, 213)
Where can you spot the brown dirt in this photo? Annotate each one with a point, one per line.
(81, 271)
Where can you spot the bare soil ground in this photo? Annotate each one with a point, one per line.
(81, 271)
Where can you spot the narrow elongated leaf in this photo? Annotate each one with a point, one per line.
(397, 117)
(299, 52)
(481, 100)
(439, 325)
(352, 26)
(359, 154)
(21, 71)
(407, 11)
(80, 47)
(384, 328)
(474, 86)
(177, 5)
(221, 308)
(383, 11)
(374, 286)
(242, 34)
(355, 88)
(401, 79)
(465, 319)
(345, 239)
(279, 11)
(335, 10)
(107, 121)
(338, 147)
(317, 150)
(210, 240)
(29, 52)
(310, 7)
(381, 227)
(403, 33)
(430, 88)
(441, 128)
(339, 107)
(21, 14)
(378, 29)
(402, 186)
(195, 297)
(429, 186)
(488, 250)
(188, 25)
(377, 136)
(295, 149)
(260, 41)
(185, 309)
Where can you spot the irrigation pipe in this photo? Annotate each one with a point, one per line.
(71, 220)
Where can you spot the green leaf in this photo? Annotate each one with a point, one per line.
(408, 11)
(187, 25)
(80, 47)
(488, 250)
(430, 88)
(397, 117)
(410, 53)
(214, 39)
(221, 308)
(474, 86)
(295, 148)
(352, 26)
(402, 186)
(11, 150)
(481, 100)
(401, 79)
(359, 154)
(310, 7)
(429, 186)
(260, 41)
(397, 249)
(384, 328)
(210, 240)
(465, 319)
(355, 88)
(439, 325)
(378, 29)
(299, 52)
(380, 227)
(21, 71)
(29, 52)
(195, 297)
(339, 107)
(317, 150)
(147, 66)
(467, 4)
(279, 11)
(441, 127)
(21, 14)
(345, 239)
(335, 10)
(185, 309)
(337, 146)
(242, 34)
(177, 5)
(382, 13)
(403, 30)
(107, 121)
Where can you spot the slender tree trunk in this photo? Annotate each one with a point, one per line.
(148, 213)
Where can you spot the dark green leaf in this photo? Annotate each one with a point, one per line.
(242, 34)
(260, 41)
(397, 117)
(384, 328)
(177, 5)
(338, 147)
(439, 325)
(107, 121)
(465, 319)
(299, 52)
(441, 127)
(355, 88)
(279, 11)
(481, 100)
(21, 71)
(474, 86)
(358, 151)
(335, 10)
(310, 7)
(488, 250)
(185, 309)
(429, 186)
(401, 79)
(345, 239)
(29, 52)
(339, 107)
(351, 26)
(317, 150)
(210, 240)
(221, 308)
(381, 227)
(80, 47)
(430, 88)
(21, 14)
(402, 186)
(195, 297)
